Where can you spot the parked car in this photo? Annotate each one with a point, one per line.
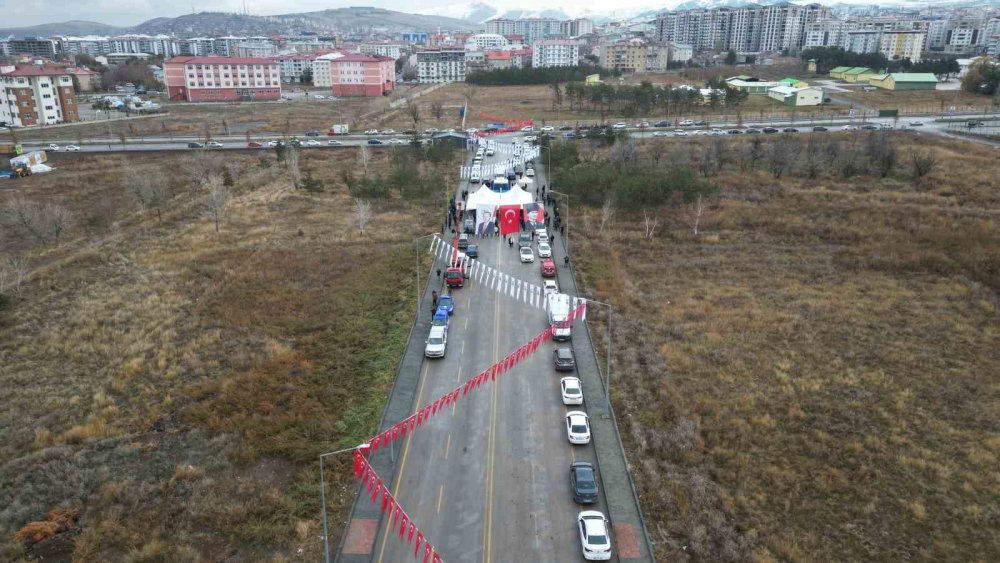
(790, 130)
(661, 134)
(447, 303)
(54, 147)
(870, 127)
(527, 255)
(334, 142)
(578, 427)
(313, 133)
(564, 359)
(548, 269)
(544, 250)
(619, 125)
(687, 122)
(389, 132)
(663, 123)
(472, 251)
(527, 129)
(195, 146)
(819, 129)
(530, 172)
(680, 133)
(72, 148)
(371, 132)
(566, 128)
(547, 128)
(594, 536)
(572, 393)
(769, 130)
(550, 287)
(312, 143)
(849, 128)
(752, 131)
(701, 123)
(375, 142)
(254, 145)
(214, 145)
(463, 241)
(583, 480)
(735, 132)
(436, 342)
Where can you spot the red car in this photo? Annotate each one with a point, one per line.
(454, 277)
(254, 145)
(548, 269)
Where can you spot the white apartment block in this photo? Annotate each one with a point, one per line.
(386, 50)
(323, 70)
(861, 40)
(746, 29)
(555, 52)
(255, 50)
(484, 41)
(441, 65)
(897, 45)
(535, 29)
(36, 96)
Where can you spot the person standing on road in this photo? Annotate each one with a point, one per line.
(561, 229)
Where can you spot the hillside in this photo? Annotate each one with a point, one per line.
(340, 20)
(74, 27)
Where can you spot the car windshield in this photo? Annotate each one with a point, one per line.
(435, 340)
(572, 390)
(525, 250)
(578, 428)
(565, 354)
(452, 275)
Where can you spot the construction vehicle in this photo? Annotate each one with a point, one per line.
(11, 149)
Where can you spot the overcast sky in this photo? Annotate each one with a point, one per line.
(18, 13)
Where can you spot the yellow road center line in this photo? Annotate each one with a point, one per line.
(447, 446)
(440, 495)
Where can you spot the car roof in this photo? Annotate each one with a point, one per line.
(571, 382)
(594, 522)
(564, 351)
(437, 331)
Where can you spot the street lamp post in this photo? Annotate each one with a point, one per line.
(322, 496)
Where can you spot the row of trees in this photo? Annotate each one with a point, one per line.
(831, 57)
(983, 78)
(533, 75)
(644, 99)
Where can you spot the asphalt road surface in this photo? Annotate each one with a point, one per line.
(489, 481)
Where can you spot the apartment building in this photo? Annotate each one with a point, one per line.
(747, 29)
(32, 95)
(535, 29)
(382, 50)
(484, 41)
(441, 65)
(555, 52)
(624, 56)
(322, 69)
(255, 49)
(218, 79)
(358, 74)
(291, 66)
(861, 40)
(897, 45)
(43, 48)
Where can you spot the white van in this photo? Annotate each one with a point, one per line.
(437, 341)
(476, 176)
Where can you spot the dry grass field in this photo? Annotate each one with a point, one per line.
(932, 101)
(814, 376)
(167, 388)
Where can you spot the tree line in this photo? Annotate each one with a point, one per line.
(644, 99)
(828, 58)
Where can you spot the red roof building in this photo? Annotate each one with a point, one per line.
(222, 79)
(32, 95)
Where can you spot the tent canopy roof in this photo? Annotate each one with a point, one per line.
(485, 196)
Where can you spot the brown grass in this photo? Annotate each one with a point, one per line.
(933, 101)
(177, 384)
(813, 377)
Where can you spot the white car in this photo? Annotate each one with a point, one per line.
(594, 536)
(72, 148)
(398, 141)
(527, 129)
(319, 97)
(544, 250)
(547, 128)
(472, 130)
(550, 287)
(642, 125)
(53, 147)
(490, 151)
(619, 125)
(543, 237)
(311, 143)
(530, 172)
(530, 138)
(527, 255)
(661, 134)
(272, 143)
(679, 133)
(371, 132)
(916, 124)
(572, 393)
(389, 132)
(849, 128)
(436, 342)
(687, 122)
(700, 132)
(213, 145)
(578, 427)
(334, 142)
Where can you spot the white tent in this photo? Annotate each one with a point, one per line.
(485, 196)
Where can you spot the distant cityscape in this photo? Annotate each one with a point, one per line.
(370, 61)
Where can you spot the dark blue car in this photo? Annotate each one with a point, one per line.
(472, 251)
(440, 318)
(446, 303)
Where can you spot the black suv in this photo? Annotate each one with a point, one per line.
(770, 130)
(819, 128)
(583, 481)
(564, 359)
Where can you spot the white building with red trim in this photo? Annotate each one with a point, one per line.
(355, 74)
(222, 79)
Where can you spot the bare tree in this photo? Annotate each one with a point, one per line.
(147, 190)
(437, 109)
(13, 271)
(413, 111)
(783, 154)
(923, 163)
(362, 213)
(694, 213)
(217, 200)
(44, 222)
(607, 213)
(624, 152)
(294, 170)
(706, 163)
(363, 155)
(881, 152)
(649, 225)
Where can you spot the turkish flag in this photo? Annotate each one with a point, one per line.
(359, 463)
(375, 442)
(428, 548)
(510, 219)
(420, 540)
(395, 519)
(413, 528)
